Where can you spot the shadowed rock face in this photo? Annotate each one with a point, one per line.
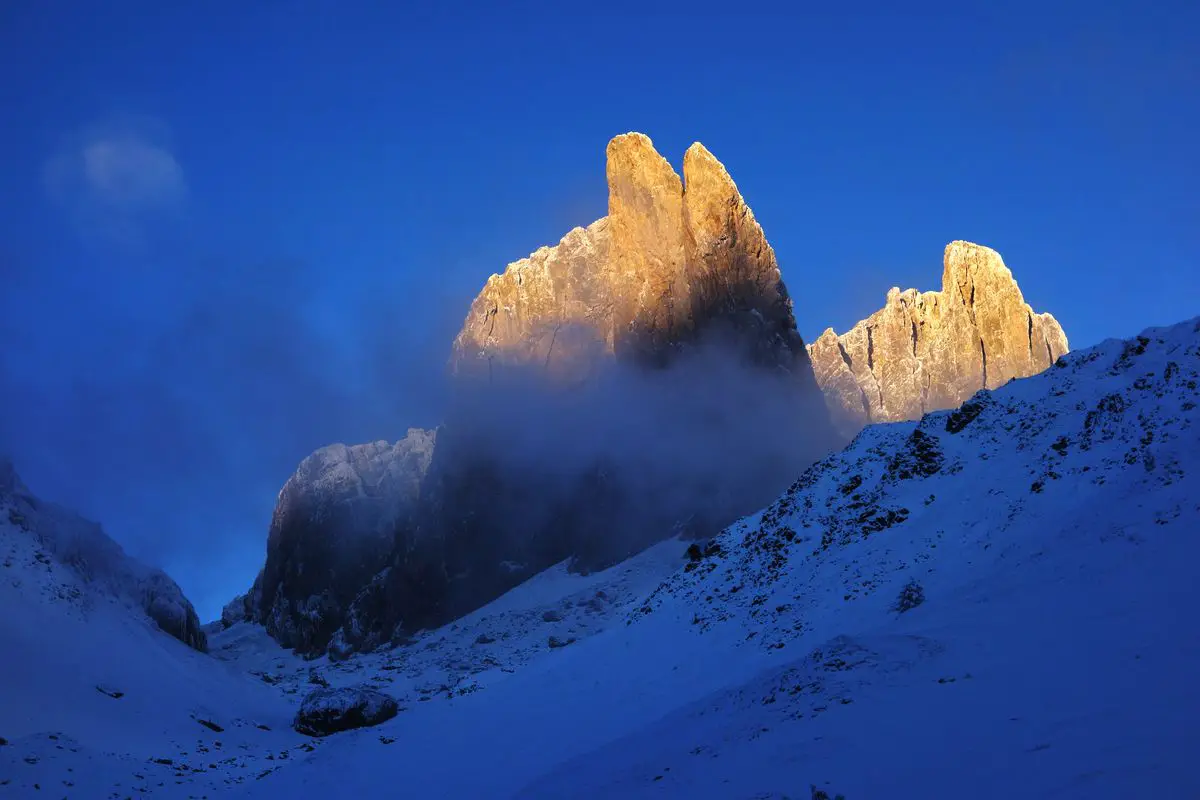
(926, 351)
(332, 531)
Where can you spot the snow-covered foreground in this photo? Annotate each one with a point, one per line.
(96, 701)
(64, 731)
(1043, 538)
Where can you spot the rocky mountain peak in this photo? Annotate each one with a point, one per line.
(926, 351)
(678, 276)
(675, 260)
(10, 481)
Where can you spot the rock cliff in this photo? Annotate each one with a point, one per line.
(676, 261)
(331, 533)
(927, 351)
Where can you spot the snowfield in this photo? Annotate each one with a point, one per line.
(993, 602)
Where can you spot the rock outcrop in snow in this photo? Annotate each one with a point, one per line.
(334, 528)
(101, 568)
(328, 710)
(926, 351)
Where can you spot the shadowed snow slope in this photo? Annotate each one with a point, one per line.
(1042, 536)
(91, 691)
(92, 567)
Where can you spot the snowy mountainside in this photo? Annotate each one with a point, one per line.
(69, 732)
(1088, 448)
(86, 566)
(97, 703)
(95, 699)
(992, 602)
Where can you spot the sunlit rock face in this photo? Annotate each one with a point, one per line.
(675, 261)
(552, 308)
(926, 351)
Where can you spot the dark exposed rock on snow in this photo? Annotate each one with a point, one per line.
(326, 711)
(333, 530)
(100, 563)
(240, 608)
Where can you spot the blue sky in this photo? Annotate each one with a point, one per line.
(233, 233)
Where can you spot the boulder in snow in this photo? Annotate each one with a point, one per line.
(325, 711)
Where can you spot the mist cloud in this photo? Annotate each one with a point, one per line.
(632, 454)
(117, 177)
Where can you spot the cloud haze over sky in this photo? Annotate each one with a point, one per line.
(116, 177)
(231, 236)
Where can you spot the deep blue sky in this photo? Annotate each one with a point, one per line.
(234, 232)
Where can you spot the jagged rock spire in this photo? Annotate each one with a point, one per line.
(673, 260)
(925, 351)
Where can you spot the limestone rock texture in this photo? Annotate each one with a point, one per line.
(551, 308)
(332, 530)
(674, 260)
(927, 351)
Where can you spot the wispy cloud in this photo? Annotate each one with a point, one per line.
(116, 178)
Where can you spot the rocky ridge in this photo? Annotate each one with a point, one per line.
(926, 351)
(675, 287)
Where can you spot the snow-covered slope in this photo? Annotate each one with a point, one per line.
(83, 562)
(1051, 527)
(994, 602)
(478, 650)
(95, 699)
